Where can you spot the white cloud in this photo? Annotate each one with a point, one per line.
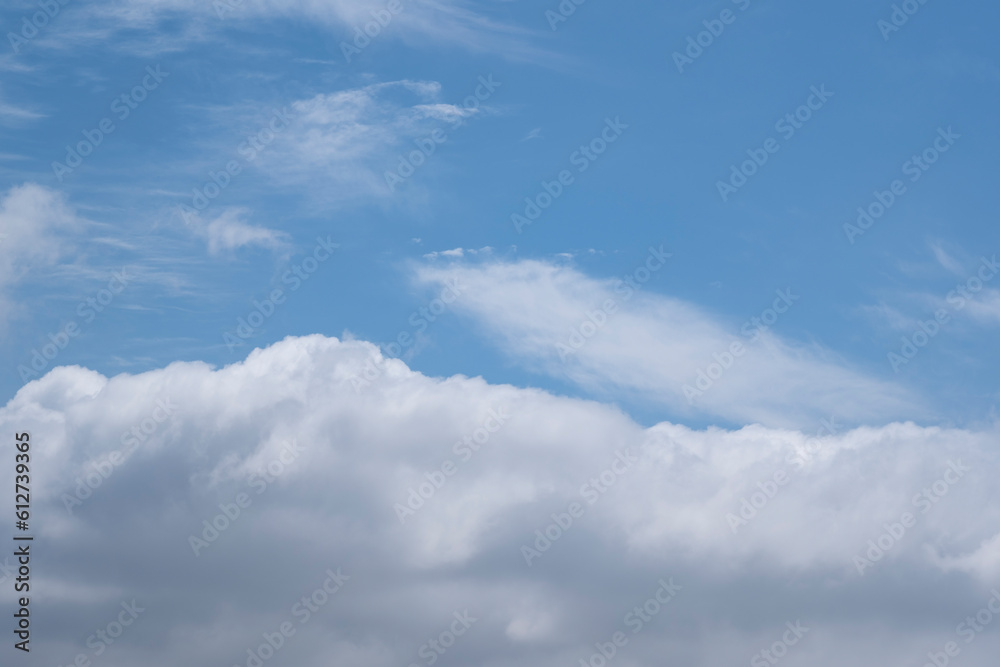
(449, 113)
(343, 143)
(655, 345)
(459, 252)
(12, 114)
(229, 232)
(536, 133)
(45, 242)
(361, 453)
(946, 261)
(35, 222)
(983, 561)
(422, 22)
(985, 308)
(889, 317)
(31, 217)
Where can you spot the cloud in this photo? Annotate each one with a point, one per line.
(983, 562)
(350, 139)
(986, 308)
(610, 338)
(34, 224)
(946, 260)
(229, 232)
(535, 133)
(972, 297)
(45, 243)
(459, 252)
(420, 23)
(11, 114)
(325, 464)
(31, 217)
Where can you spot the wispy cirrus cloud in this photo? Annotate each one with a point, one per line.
(962, 285)
(229, 231)
(12, 114)
(421, 23)
(661, 349)
(342, 143)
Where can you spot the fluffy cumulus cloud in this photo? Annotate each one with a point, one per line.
(617, 334)
(389, 518)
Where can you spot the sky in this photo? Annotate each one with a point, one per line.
(738, 257)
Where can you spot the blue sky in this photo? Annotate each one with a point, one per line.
(524, 311)
(226, 77)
